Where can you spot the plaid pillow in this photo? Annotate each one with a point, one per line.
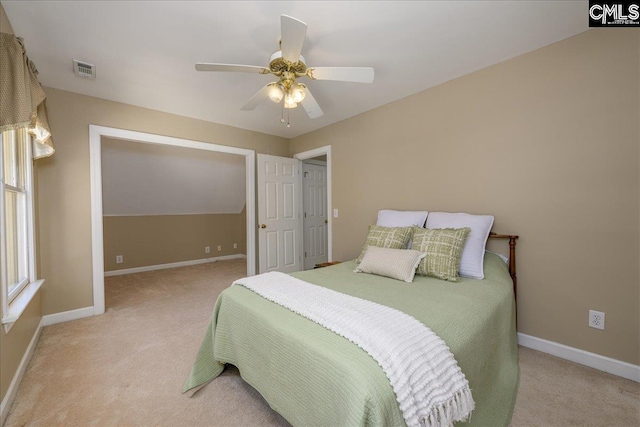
(386, 237)
(443, 247)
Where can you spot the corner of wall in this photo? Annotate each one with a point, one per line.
(5, 25)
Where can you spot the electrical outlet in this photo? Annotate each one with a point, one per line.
(119, 259)
(235, 246)
(596, 319)
(219, 248)
(207, 249)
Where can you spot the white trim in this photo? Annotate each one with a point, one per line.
(175, 214)
(15, 302)
(97, 249)
(326, 150)
(95, 146)
(250, 211)
(31, 217)
(315, 162)
(5, 406)
(67, 316)
(4, 288)
(20, 303)
(592, 360)
(171, 265)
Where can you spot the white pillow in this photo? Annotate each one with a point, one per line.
(391, 218)
(472, 262)
(399, 264)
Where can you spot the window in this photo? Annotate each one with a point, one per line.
(16, 223)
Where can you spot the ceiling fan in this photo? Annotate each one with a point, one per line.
(288, 65)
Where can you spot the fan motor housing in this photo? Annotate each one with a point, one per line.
(278, 64)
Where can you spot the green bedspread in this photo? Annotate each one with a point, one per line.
(314, 377)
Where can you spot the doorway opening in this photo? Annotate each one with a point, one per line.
(315, 219)
(158, 146)
(316, 208)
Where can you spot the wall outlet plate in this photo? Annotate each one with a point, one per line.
(235, 246)
(207, 249)
(219, 248)
(119, 259)
(596, 319)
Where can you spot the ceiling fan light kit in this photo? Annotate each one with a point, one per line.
(288, 65)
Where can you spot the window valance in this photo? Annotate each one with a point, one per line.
(22, 99)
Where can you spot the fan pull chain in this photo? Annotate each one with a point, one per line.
(282, 116)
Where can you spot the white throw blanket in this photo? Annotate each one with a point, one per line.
(430, 387)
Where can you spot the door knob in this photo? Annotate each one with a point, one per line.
(263, 225)
(326, 221)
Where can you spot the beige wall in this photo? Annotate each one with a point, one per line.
(65, 197)
(5, 25)
(13, 344)
(163, 239)
(548, 143)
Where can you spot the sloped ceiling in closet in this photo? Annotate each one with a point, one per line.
(151, 179)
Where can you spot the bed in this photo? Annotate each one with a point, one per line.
(312, 376)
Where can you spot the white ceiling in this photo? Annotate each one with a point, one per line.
(150, 179)
(145, 51)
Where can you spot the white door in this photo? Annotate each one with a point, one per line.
(314, 188)
(279, 217)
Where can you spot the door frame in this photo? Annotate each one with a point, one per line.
(95, 159)
(305, 155)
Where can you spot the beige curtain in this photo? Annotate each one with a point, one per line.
(22, 99)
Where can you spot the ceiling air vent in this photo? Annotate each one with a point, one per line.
(84, 70)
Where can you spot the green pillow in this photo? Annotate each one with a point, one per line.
(386, 237)
(443, 247)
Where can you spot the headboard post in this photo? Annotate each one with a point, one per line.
(512, 256)
(512, 261)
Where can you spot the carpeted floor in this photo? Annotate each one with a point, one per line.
(127, 367)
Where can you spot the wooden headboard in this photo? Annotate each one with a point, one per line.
(512, 256)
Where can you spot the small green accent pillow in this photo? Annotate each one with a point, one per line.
(443, 247)
(386, 237)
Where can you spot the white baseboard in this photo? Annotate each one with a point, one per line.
(66, 316)
(5, 406)
(592, 360)
(171, 265)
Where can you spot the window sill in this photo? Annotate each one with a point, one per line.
(20, 303)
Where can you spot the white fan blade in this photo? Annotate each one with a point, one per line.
(343, 74)
(256, 99)
(292, 33)
(310, 105)
(203, 66)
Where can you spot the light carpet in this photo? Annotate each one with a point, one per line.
(127, 367)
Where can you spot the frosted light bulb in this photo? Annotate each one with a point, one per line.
(275, 93)
(297, 93)
(289, 101)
